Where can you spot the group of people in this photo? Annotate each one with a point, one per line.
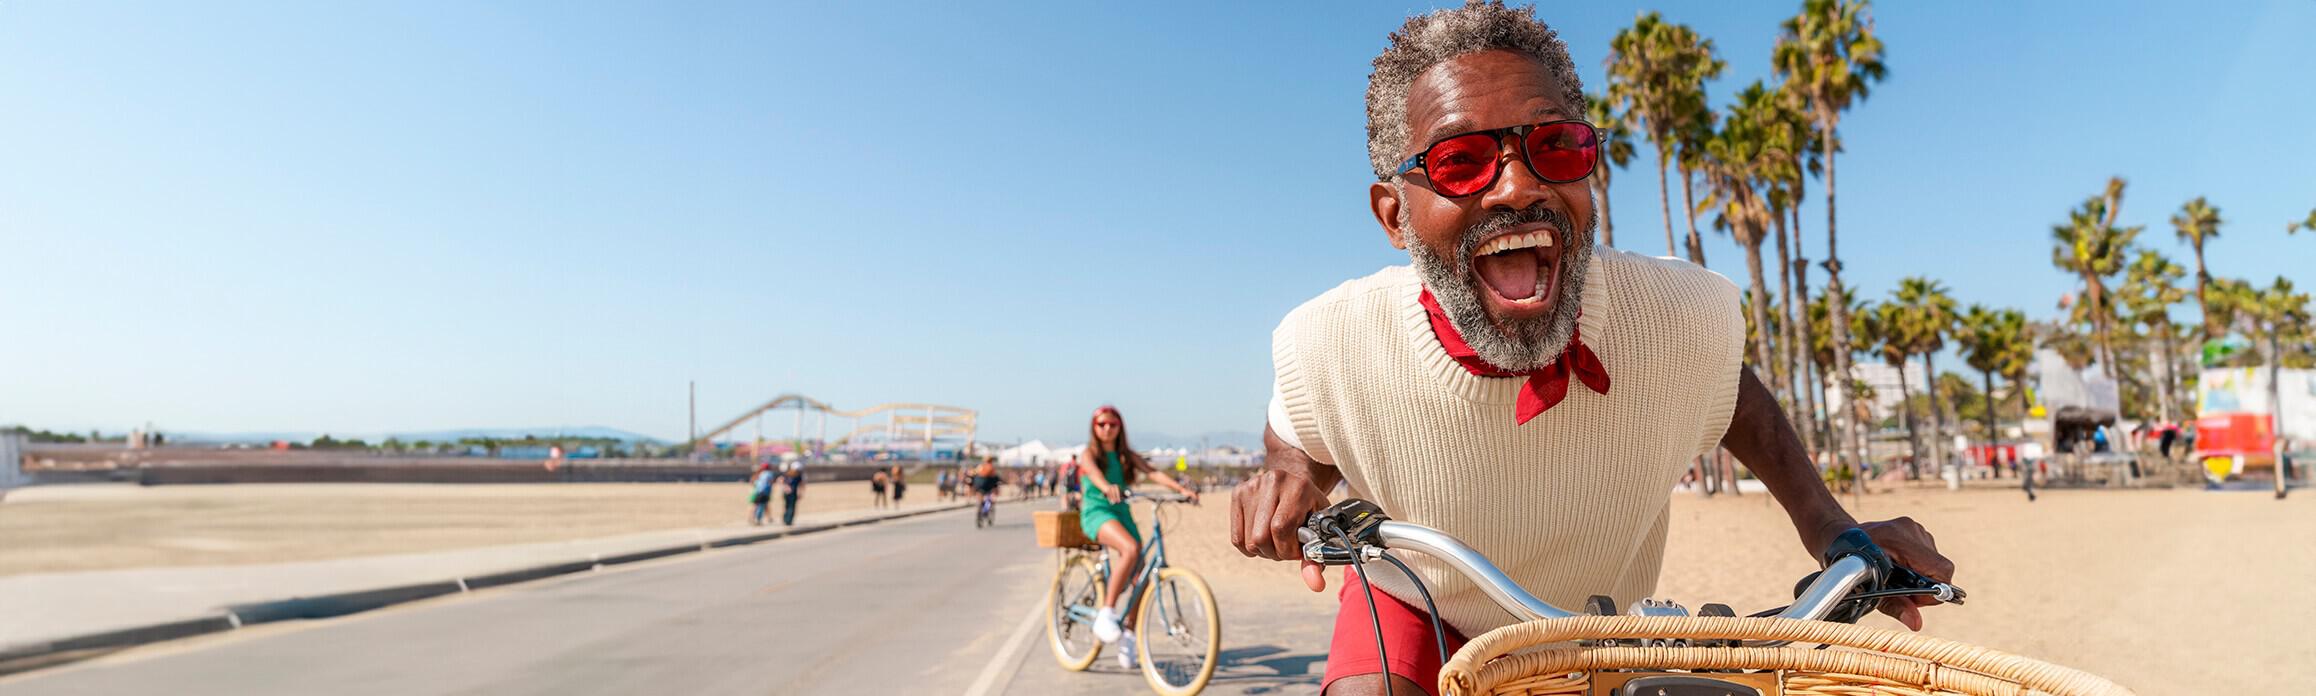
(893, 480)
(1025, 484)
(788, 479)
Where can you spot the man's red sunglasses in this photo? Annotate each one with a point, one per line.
(1558, 152)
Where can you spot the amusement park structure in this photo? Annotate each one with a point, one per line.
(883, 426)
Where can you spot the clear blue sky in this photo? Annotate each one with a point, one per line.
(372, 216)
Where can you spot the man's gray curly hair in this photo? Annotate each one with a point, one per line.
(1428, 40)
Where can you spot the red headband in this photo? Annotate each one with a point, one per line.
(1113, 411)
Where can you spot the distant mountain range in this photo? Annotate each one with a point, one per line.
(592, 431)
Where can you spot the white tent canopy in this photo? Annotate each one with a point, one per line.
(1036, 453)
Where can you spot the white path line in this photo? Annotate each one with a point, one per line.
(1007, 656)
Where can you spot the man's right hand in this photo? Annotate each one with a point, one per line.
(1266, 509)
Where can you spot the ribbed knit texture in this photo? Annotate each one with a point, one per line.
(1572, 504)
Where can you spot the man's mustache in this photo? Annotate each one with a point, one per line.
(1503, 219)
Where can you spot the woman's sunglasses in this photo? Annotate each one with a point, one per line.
(1105, 424)
(1557, 151)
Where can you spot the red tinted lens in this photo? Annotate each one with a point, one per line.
(1562, 152)
(1462, 165)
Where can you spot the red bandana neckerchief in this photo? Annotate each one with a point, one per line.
(1546, 386)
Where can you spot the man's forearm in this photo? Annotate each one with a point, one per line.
(1293, 461)
(1760, 437)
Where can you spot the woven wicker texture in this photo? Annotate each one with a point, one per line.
(1862, 661)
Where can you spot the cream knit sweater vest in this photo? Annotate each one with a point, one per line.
(1572, 504)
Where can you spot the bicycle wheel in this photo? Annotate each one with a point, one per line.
(1069, 613)
(1180, 632)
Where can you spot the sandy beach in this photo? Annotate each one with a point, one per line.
(2164, 591)
(103, 527)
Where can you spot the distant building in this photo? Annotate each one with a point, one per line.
(1883, 379)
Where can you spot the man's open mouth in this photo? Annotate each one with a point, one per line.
(1520, 270)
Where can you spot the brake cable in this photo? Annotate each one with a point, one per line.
(1861, 596)
(1438, 635)
(1373, 621)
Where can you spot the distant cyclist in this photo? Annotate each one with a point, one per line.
(1110, 466)
(1517, 387)
(986, 482)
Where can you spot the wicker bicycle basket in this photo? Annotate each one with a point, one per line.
(1058, 529)
(1540, 658)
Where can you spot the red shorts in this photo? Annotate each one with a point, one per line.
(1407, 636)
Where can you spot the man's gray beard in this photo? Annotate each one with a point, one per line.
(1519, 345)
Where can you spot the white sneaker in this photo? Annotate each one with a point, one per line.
(1106, 625)
(1126, 649)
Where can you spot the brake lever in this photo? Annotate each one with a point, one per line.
(1317, 550)
(1902, 577)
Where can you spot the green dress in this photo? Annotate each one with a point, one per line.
(1096, 508)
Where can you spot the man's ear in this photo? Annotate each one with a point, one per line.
(1383, 198)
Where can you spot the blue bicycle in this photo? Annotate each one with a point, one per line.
(1180, 629)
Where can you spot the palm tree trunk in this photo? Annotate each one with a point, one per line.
(2211, 326)
(1688, 199)
(1761, 354)
(2276, 402)
(1937, 415)
(1664, 200)
(1906, 415)
(1992, 435)
(2170, 372)
(1839, 311)
(1600, 191)
(1795, 379)
(2099, 311)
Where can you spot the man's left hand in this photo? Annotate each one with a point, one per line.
(1909, 545)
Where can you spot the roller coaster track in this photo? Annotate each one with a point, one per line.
(918, 422)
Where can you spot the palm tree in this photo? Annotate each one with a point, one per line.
(2091, 246)
(2308, 224)
(1884, 333)
(1738, 170)
(1695, 138)
(2149, 290)
(1790, 135)
(1830, 56)
(2196, 222)
(1926, 317)
(1989, 341)
(1657, 73)
(1821, 355)
(1616, 152)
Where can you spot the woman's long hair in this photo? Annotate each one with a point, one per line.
(1132, 460)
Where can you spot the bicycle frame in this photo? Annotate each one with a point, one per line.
(1153, 559)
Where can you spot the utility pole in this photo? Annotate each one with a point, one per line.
(694, 422)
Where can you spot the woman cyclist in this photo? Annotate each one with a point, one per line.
(1109, 466)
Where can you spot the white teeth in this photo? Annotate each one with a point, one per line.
(1516, 241)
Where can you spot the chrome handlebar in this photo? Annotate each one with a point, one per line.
(1372, 533)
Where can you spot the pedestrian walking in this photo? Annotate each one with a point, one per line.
(759, 492)
(900, 485)
(877, 488)
(791, 488)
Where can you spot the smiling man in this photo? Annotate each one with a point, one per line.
(1515, 386)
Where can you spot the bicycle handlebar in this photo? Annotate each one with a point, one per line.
(1131, 494)
(1853, 565)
